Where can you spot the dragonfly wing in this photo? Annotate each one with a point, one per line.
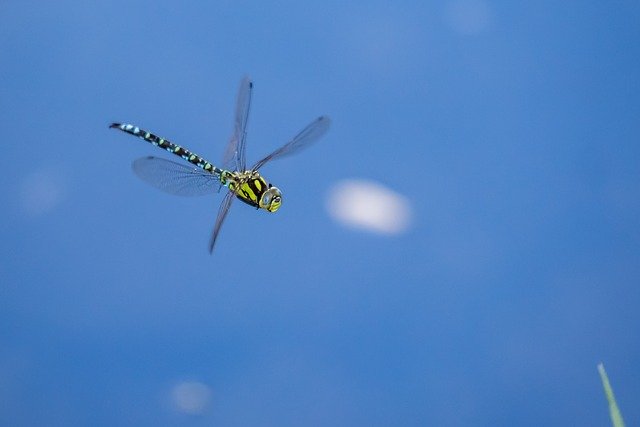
(234, 157)
(175, 178)
(306, 137)
(222, 214)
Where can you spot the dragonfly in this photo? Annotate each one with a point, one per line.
(201, 177)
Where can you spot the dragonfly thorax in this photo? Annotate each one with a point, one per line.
(253, 189)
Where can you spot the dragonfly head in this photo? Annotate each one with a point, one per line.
(271, 199)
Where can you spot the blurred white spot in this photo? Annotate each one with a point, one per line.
(41, 192)
(191, 397)
(467, 16)
(369, 206)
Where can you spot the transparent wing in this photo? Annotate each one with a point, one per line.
(234, 157)
(222, 214)
(175, 178)
(306, 137)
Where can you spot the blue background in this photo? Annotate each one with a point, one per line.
(516, 142)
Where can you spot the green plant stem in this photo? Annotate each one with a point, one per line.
(616, 416)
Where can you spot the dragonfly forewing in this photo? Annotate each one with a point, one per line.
(307, 136)
(234, 157)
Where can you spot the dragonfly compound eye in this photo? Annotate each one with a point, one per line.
(271, 199)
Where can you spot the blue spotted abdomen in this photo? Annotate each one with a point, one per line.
(169, 146)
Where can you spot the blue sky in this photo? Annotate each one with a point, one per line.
(509, 129)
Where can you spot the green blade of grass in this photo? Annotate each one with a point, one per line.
(616, 416)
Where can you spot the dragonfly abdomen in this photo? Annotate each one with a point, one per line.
(168, 145)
